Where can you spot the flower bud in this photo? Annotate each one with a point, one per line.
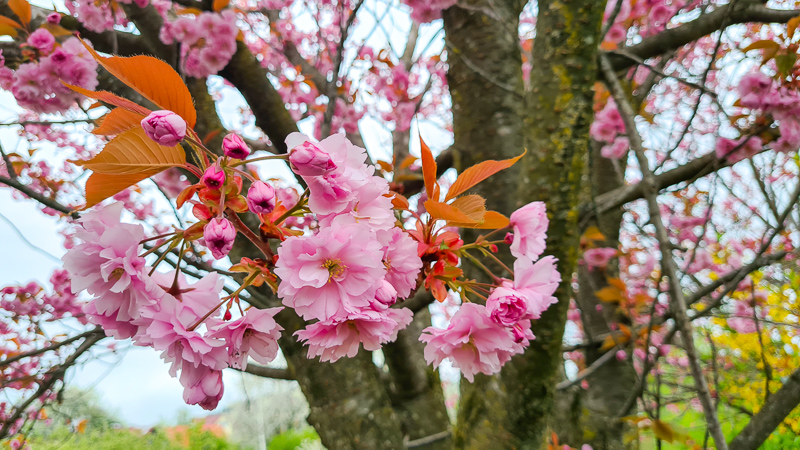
(506, 306)
(385, 296)
(219, 235)
(309, 160)
(234, 147)
(214, 177)
(261, 198)
(164, 127)
(509, 238)
(54, 18)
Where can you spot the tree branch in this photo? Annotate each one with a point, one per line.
(269, 372)
(770, 416)
(675, 38)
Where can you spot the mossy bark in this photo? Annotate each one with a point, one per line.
(513, 409)
(589, 416)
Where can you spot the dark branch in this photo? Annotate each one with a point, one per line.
(675, 38)
(269, 372)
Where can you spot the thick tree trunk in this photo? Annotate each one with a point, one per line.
(415, 389)
(485, 81)
(513, 409)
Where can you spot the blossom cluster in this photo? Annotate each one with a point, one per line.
(759, 92)
(609, 128)
(483, 338)
(208, 41)
(348, 274)
(37, 85)
(102, 15)
(163, 310)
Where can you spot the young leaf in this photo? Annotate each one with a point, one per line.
(10, 22)
(478, 173)
(219, 5)
(7, 30)
(156, 80)
(133, 152)
(473, 206)
(451, 214)
(399, 201)
(22, 9)
(117, 121)
(111, 99)
(492, 220)
(429, 171)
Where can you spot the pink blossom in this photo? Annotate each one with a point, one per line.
(617, 149)
(336, 192)
(219, 235)
(736, 151)
(255, 334)
(506, 306)
(171, 331)
(537, 281)
(261, 198)
(742, 319)
(530, 230)
(202, 386)
(213, 177)
(164, 127)
(599, 257)
(335, 272)
(754, 89)
(401, 260)
(790, 136)
(473, 342)
(42, 40)
(54, 18)
(234, 147)
(341, 336)
(617, 33)
(107, 264)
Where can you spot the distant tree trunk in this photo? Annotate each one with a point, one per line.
(589, 416)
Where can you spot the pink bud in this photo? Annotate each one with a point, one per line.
(234, 147)
(309, 160)
(219, 235)
(261, 198)
(214, 177)
(385, 296)
(164, 127)
(621, 355)
(54, 18)
(509, 238)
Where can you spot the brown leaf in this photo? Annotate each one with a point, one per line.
(22, 9)
(101, 186)
(156, 80)
(478, 173)
(117, 121)
(111, 99)
(429, 171)
(133, 152)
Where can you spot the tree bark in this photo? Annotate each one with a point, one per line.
(415, 389)
(514, 409)
(485, 81)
